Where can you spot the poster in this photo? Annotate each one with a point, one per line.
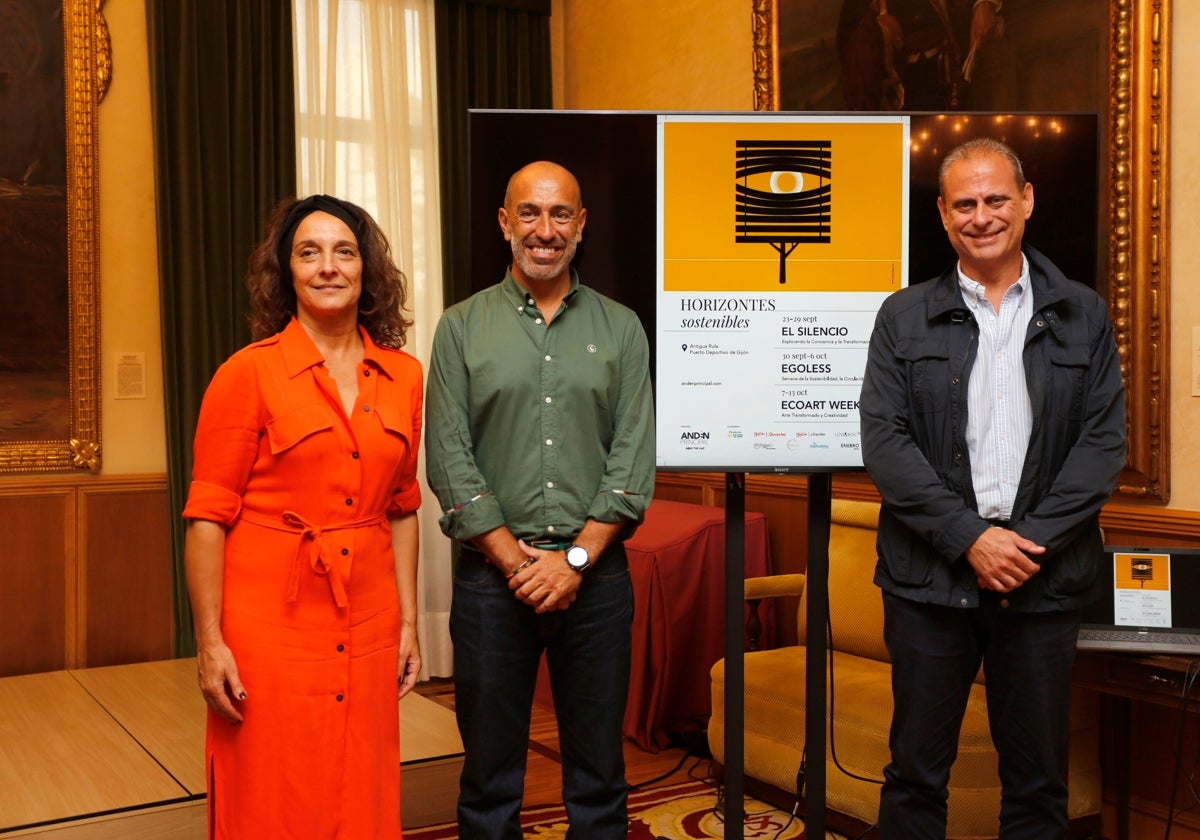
(1142, 589)
(778, 238)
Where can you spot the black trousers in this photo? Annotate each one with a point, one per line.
(1027, 660)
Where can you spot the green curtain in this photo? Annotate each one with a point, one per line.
(490, 54)
(225, 154)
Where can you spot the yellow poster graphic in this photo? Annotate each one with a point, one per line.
(1143, 570)
(778, 206)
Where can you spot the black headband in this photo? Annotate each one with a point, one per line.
(300, 211)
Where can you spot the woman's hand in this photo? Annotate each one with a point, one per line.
(204, 562)
(219, 680)
(410, 659)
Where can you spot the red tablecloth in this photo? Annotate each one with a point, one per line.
(677, 562)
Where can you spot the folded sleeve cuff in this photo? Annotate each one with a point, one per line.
(479, 517)
(405, 500)
(212, 502)
(618, 507)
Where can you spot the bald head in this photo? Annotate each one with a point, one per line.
(542, 219)
(542, 170)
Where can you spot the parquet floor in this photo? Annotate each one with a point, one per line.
(543, 780)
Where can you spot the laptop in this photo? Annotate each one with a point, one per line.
(1151, 602)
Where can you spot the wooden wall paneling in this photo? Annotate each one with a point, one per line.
(124, 534)
(1142, 525)
(87, 571)
(38, 592)
(679, 487)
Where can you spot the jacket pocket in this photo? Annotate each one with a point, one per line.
(286, 430)
(1072, 573)
(928, 364)
(1068, 372)
(906, 559)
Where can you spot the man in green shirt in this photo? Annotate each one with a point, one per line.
(540, 449)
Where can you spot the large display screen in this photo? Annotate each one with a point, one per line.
(757, 247)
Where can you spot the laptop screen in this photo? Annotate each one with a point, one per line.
(1155, 590)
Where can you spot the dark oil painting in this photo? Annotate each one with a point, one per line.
(34, 282)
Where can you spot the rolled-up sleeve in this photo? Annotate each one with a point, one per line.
(226, 444)
(628, 481)
(468, 507)
(212, 502)
(407, 496)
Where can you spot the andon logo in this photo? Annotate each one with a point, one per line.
(694, 436)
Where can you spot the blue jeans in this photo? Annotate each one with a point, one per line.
(498, 642)
(936, 652)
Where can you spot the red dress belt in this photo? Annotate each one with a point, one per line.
(315, 536)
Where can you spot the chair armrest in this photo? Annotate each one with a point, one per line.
(770, 586)
(774, 586)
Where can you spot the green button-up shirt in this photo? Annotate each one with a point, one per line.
(539, 426)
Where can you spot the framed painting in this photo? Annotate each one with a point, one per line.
(55, 64)
(1109, 57)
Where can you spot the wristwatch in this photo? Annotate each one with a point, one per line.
(578, 558)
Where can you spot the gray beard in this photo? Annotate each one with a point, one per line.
(536, 271)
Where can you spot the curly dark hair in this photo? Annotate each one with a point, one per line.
(273, 299)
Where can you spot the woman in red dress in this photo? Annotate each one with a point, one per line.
(301, 550)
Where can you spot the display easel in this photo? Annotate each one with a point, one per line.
(820, 496)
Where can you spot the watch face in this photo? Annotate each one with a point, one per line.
(577, 558)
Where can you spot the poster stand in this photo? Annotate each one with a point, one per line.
(735, 666)
(820, 494)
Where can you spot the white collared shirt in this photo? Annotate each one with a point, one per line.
(999, 414)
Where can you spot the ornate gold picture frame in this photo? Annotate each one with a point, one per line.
(86, 70)
(1137, 187)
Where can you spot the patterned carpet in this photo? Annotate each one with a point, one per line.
(676, 811)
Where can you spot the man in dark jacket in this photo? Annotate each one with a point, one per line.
(993, 425)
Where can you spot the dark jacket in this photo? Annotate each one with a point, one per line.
(914, 419)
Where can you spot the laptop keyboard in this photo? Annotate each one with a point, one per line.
(1179, 639)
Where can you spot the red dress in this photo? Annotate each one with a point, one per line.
(310, 608)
